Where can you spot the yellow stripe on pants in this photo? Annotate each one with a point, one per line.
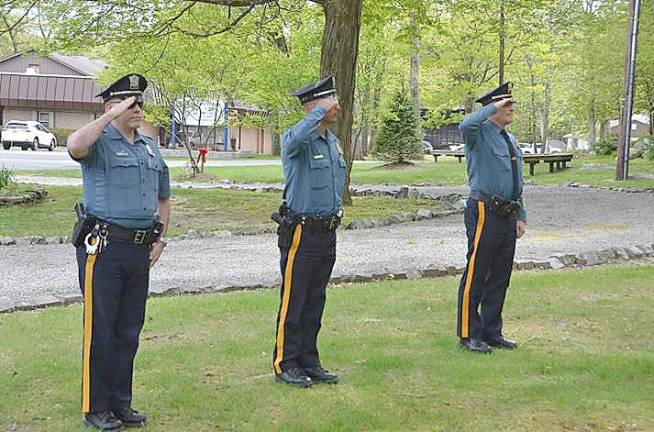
(465, 306)
(288, 283)
(88, 331)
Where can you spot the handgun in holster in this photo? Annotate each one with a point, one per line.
(286, 226)
(505, 208)
(83, 226)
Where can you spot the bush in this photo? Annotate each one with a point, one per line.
(607, 146)
(400, 137)
(61, 135)
(643, 148)
(5, 177)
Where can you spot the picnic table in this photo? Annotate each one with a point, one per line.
(558, 160)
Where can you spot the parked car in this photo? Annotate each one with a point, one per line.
(527, 148)
(27, 135)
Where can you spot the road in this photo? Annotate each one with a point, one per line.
(19, 160)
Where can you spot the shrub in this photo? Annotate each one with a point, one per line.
(61, 135)
(400, 137)
(606, 146)
(5, 177)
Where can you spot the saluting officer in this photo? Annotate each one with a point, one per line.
(127, 203)
(494, 217)
(314, 174)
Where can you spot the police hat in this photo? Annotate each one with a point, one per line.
(502, 92)
(129, 85)
(317, 90)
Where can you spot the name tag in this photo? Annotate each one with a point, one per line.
(318, 156)
(122, 153)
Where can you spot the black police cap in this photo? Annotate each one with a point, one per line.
(502, 92)
(317, 90)
(129, 85)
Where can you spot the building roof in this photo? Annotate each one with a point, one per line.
(85, 65)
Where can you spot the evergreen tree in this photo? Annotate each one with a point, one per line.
(400, 137)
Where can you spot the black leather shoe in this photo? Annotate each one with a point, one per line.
(503, 342)
(103, 420)
(318, 374)
(295, 377)
(475, 345)
(130, 417)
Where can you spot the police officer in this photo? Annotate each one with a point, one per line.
(494, 217)
(127, 200)
(314, 173)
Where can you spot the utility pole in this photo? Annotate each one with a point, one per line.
(622, 167)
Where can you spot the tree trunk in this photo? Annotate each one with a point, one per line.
(340, 46)
(501, 37)
(414, 75)
(604, 129)
(591, 127)
(651, 122)
(545, 117)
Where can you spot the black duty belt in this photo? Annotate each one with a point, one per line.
(316, 223)
(503, 207)
(137, 237)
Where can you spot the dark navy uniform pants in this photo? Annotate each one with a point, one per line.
(306, 268)
(115, 288)
(491, 247)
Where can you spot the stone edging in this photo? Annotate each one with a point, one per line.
(558, 262)
(29, 197)
(615, 189)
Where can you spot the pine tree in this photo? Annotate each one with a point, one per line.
(400, 137)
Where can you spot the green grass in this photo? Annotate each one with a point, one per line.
(446, 172)
(200, 210)
(15, 189)
(204, 361)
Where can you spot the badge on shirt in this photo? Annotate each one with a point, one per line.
(338, 146)
(150, 152)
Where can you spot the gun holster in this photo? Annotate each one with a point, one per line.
(83, 226)
(505, 208)
(286, 226)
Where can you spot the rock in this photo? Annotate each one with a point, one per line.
(413, 274)
(193, 235)
(620, 253)
(434, 270)
(37, 240)
(413, 193)
(543, 265)
(556, 264)
(633, 252)
(402, 193)
(7, 241)
(581, 259)
(647, 249)
(605, 255)
(45, 301)
(592, 259)
(524, 265)
(567, 260)
(423, 214)
(54, 240)
(71, 298)
(360, 224)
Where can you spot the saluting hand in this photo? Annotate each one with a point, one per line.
(327, 103)
(499, 104)
(520, 228)
(118, 109)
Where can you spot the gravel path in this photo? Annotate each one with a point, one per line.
(561, 221)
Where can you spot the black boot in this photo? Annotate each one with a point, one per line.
(318, 374)
(295, 377)
(503, 342)
(103, 420)
(130, 417)
(475, 345)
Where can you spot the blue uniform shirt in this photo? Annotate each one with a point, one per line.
(314, 168)
(488, 159)
(123, 182)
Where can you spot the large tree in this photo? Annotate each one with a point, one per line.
(106, 21)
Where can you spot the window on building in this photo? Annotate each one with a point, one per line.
(33, 68)
(44, 118)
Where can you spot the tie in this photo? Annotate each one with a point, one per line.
(514, 164)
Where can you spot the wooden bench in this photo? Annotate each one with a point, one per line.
(553, 159)
(558, 159)
(457, 154)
